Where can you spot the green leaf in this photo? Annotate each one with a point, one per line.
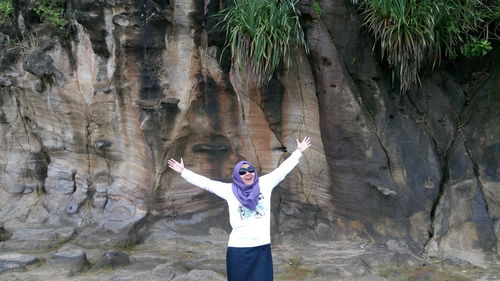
(272, 28)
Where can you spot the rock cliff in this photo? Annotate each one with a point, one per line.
(90, 114)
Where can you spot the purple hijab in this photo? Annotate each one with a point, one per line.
(248, 195)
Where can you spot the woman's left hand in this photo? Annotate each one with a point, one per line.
(305, 144)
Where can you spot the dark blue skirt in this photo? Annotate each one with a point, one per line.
(249, 264)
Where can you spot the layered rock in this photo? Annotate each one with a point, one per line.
(89, 116)
(396, 159)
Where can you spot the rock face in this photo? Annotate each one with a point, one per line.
(406, 166)
(90, 114)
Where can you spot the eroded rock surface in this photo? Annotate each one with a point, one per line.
(90, 114)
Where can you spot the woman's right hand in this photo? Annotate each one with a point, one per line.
(303, 145)
(176, 166)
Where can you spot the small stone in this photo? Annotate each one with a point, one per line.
(70, 255)
(432, 249)
(112, 258)
(108, 90)
(72, 208)
(102, 144)
(18, 258)
(15, 261)
(100, 197)
(6, 81)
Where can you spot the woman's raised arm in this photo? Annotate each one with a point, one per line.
(276, 176)
(218, 188)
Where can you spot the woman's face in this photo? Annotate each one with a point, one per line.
(249, 174)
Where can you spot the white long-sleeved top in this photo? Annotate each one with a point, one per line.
(250, 228)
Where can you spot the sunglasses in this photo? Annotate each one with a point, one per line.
(249, 169)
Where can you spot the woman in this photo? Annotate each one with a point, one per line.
(248, 254)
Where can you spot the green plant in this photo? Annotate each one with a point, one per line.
(402, 29)
(261, 34)
(491, 24)
(52, 11)
(6, 10)
(413, 33)
(476, 47)
(317, 8)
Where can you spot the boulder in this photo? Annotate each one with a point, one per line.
(39, 63)
(15, 261)
(60, 179)
(69, 262)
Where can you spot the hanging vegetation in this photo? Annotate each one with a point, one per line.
(413, 33)
(48, 10)
(261, 35)
(52, 11)
(6, 10)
